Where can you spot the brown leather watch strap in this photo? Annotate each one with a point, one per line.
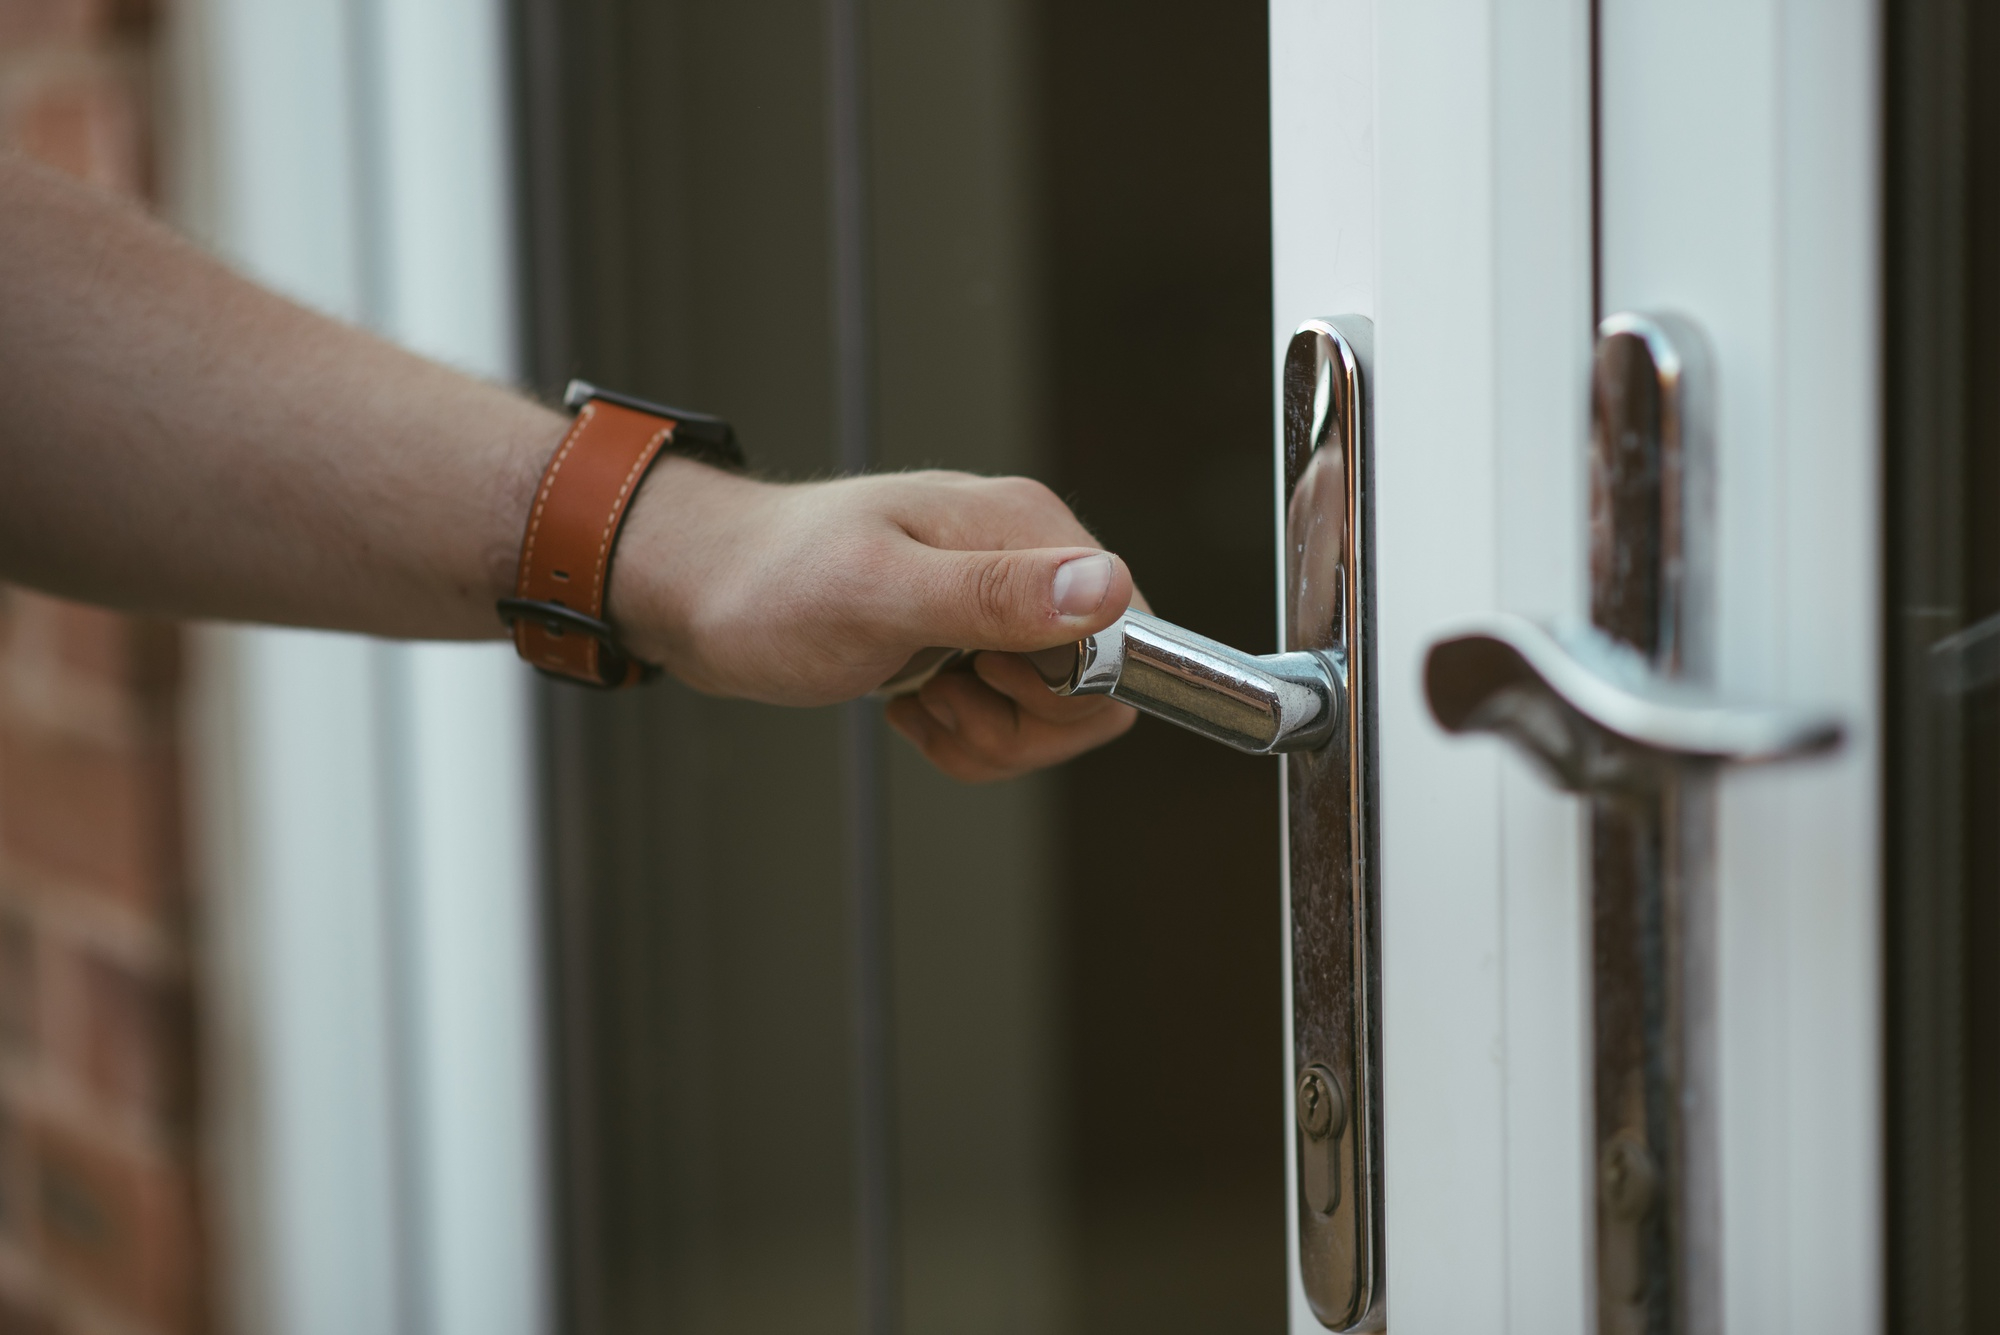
(557, 610)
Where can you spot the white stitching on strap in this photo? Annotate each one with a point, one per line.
(646, 457)
(583, 419)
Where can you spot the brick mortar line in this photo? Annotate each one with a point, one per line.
(72, 915)
(57, 59)
(23, 77)
(51, 701)
(46, 1097)
(81, 911)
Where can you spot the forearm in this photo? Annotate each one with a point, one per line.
(176, 440)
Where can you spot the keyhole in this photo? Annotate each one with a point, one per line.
(1627, 1186)
(1322, 1114)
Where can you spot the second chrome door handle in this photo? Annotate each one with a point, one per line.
(1625, 712)
(1261, 704)
(1593, 715)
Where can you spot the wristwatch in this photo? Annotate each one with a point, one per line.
(557, 611)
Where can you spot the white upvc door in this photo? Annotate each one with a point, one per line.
(1447, 168)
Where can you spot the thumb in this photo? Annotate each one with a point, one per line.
(1017, 601)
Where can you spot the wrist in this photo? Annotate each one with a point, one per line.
(674, 554)
(561, 608)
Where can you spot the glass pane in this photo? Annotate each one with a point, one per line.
(1068, 272)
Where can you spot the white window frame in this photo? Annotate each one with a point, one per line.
(366, 809)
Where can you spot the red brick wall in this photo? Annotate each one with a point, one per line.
(100, 1220)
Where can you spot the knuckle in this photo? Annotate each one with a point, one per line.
(1029, 493)
(933, 484)
(1039, 516)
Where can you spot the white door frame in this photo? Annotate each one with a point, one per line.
(1432, 169)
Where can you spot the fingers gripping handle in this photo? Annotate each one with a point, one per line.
(1260, 704)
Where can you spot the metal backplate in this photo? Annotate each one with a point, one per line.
(1331, 828)
(1657, 1203)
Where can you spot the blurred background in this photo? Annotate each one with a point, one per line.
(354, 987)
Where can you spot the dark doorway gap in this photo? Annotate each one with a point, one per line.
(1941, 273)
(678, 203)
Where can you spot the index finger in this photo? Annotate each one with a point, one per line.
(1014, 677)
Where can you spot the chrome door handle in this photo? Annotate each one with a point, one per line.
(1313, 703)
(1260, 704)
(1593, 716)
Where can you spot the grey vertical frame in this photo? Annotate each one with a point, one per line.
(697, 849)
(1926, 97)
(1941, 474)
(871, 961)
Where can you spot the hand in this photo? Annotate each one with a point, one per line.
(813, 593)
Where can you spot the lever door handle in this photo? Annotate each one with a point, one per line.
(1315, 704)
(1593, 715)
(1260, 704)
(1624, 713)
